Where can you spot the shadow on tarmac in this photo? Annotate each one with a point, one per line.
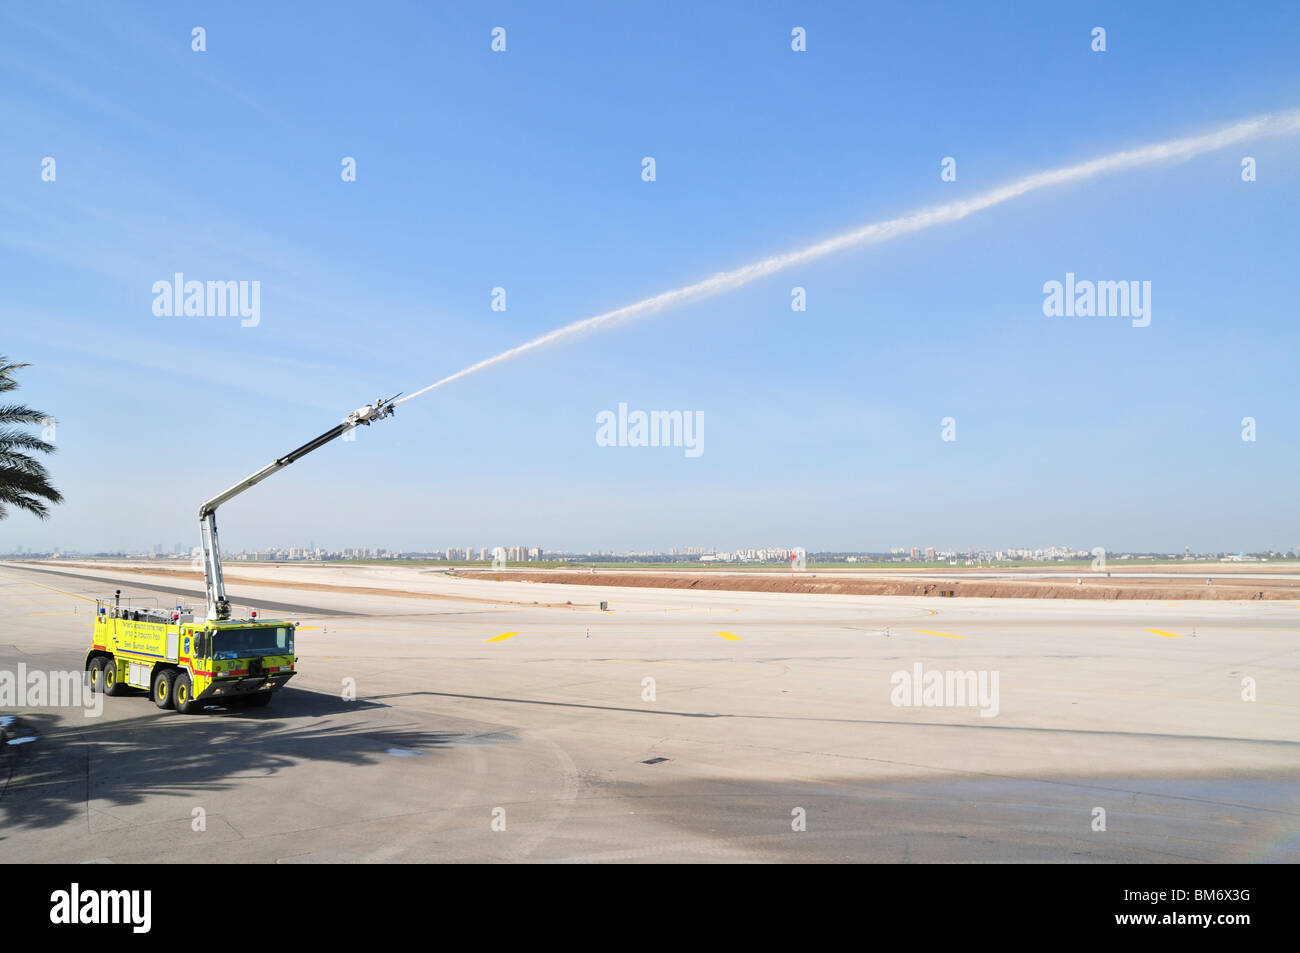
(77, 762)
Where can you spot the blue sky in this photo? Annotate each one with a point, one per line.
(522, 170)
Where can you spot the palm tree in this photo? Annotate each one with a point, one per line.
(24, 482)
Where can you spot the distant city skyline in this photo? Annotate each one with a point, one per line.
(683, 554)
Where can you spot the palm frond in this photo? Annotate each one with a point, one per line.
(21, 414)
(26, 491)
(11, 439)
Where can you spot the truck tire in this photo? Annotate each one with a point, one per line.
(162, 688)
(183, 694)
(112, 686)
(96, 671)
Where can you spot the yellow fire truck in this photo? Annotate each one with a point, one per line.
(184, 664)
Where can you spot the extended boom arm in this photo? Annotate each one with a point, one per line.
(218, 605)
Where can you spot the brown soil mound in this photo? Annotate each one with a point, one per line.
(1090, 588)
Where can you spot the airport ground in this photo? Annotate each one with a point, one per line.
(677, 725)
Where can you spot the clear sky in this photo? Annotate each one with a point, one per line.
(523, 170)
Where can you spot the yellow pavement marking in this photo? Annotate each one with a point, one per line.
(502, 637)
(1167, 635)
(730, 637)
(946, 635)
(51, 588)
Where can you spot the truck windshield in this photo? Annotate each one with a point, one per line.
(246, 643)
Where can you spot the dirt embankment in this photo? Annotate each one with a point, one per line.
(1085, 585)
(197, 576)
(1089, 588)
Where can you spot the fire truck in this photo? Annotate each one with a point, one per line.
(184, 664)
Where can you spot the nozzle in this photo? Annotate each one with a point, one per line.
(371, 412)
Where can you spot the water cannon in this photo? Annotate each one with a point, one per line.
(218, 604)
(381, 408)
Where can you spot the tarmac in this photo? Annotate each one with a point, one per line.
(442, 719)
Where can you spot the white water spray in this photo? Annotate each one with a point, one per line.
(1174, 150)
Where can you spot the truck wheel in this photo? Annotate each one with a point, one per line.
(111, 685)
(183, 694)
(162, 688)
(96, 675)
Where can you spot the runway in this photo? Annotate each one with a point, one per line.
(678, 726)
